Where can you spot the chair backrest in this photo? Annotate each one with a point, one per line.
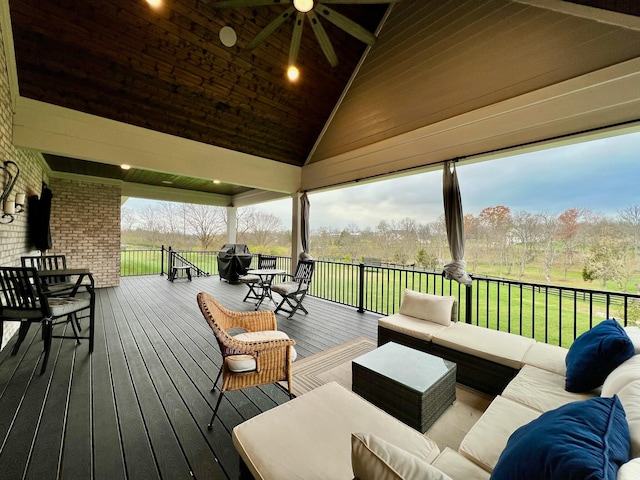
(304, 271)
(267, 261)
(22, 294)
(219, 318)
(47, 262)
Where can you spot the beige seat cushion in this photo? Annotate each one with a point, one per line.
(499, 347)
(310, 437)
(247, 363)
(458, 467)
(541, 390)
(548, 357)
(411, 326)
(484, 443)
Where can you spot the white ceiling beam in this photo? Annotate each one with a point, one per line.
(62, 131)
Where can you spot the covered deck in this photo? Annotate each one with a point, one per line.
(138, 407)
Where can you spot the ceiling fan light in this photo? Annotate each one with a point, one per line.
(303, 5)
(293, 73)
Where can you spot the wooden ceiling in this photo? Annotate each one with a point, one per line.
(167, 70)
(435, 63)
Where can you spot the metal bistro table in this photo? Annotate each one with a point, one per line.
(266, 278)
(81, 274)
(413, 386)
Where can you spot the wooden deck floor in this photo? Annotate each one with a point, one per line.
(138, 407)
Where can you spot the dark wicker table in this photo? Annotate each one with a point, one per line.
(413, 386)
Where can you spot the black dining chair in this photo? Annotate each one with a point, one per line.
(254, 281)
(24, 300)
(59, 285)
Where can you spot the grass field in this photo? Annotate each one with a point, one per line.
(554, 314)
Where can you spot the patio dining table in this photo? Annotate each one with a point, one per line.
(266, 278)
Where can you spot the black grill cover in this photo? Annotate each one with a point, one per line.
(233, 260)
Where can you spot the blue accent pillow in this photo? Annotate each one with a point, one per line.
(587, 440)
(595, 354)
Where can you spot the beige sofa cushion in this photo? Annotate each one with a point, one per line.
(425, 306)
(499, 347)
(458, 467)
(630, 470)
(411, 326)
(629, 396)
(634, 335)
(484, 443)
(372, 458)
(310, 437)
(621, 376)
(548, 357)
(541, 390)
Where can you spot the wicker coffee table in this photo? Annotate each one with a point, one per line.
(413, 386)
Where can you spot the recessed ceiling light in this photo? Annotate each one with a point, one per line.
(217, 182)
(154, 3)
(124, 166)
(293, 73)
(167, 182)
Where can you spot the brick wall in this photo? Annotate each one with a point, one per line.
(85, 226)
(85, 217)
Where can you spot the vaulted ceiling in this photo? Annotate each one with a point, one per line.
(103, 83)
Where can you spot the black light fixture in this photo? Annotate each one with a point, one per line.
(10, 208)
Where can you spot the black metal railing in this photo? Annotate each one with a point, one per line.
(549, 313)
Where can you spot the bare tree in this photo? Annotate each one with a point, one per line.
(263, 226)
(207, 222)
(525, 229)
(630, 218)
(127, 219)
(548, 233)
(496, 222)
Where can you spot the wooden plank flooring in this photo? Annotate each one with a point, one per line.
(138, 407)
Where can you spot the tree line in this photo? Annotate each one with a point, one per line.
(575, 245)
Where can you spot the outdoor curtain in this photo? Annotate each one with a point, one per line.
(454, 220)
(304, 224)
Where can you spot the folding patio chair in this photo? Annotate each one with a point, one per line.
(294, 290)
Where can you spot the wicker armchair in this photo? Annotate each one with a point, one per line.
(259, 356)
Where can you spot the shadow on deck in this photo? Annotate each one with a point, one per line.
(138, 407)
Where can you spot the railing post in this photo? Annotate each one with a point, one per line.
(361, 291)
(162, 261)
(468, 304)
(169, 261)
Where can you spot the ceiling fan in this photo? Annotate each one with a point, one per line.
(310, 9)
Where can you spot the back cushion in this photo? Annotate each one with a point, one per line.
(425, 306)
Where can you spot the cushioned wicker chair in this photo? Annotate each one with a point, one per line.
(24, 299)
(294, 290)
(258, 356)
(254, 281)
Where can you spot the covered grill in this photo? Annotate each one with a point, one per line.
(233, 260)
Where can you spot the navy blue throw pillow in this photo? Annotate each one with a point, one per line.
(595, 354)
(587, 440)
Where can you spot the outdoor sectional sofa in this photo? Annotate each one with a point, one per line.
(332, 433)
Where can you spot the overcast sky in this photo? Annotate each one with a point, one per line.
(602, 176)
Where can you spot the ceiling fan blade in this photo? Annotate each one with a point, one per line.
(323, 39)
(243, 3)
(346, 24)
(296, 37)
(354, 2)
(269, 29)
